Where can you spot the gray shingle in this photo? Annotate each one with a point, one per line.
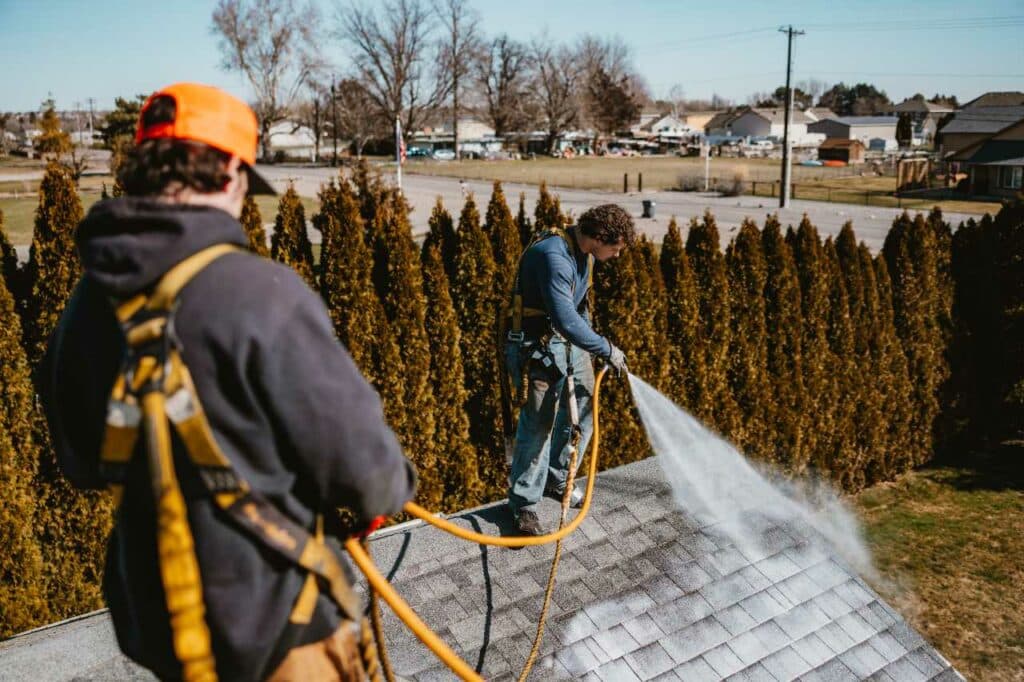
(831, 604)
(643, 629)
(577, 659)
(802, 620)
(728, 560)
(650, 661)
(607, 613)
(855, 626)
(697, 670)
(888, 646)
(723, 660)
(681, 613)
(925, 662)
(600, 654)
(813, 650)
(616, 642)
(948, 675)
(550, 668)
(799, 588)
(754, 673)
(835, 638)
(771, 636)
(572, 627)
(863, 660)
(833, 671)
(785, 664)
(904, 671)
(827, 574)
(762, 606)
(735, 619)
(661, 589)
(906, 635)
(748, 648)
(756, 579)
(853, 594)
(806, 555)
(778, 567)
(727, 591)
(694, 640)
(690, 577)
(617, 671)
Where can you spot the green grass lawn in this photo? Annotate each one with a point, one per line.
(950, 541)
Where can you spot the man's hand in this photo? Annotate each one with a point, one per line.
(617, 359)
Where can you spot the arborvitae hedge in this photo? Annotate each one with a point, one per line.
(816, 357)
(714, 403)
(523, 223)
(442, 235)
(8, 261)
(53, 268)
(898, 397)
(476, 303)
(252, 223)
(748, 354)
(405, 306)
(846, 461)
(456, 458)
(290, 243)
(23, 603)
(783, 327)
(370, 188)
(501, 230)
(681, 319)
(911, 251)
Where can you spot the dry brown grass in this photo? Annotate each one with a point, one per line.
(951, 543)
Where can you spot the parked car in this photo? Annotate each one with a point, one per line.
(444, 154)
(417, 152)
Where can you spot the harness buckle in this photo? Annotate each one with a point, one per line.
(516, 337)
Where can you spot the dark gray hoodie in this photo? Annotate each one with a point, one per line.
(284, 399)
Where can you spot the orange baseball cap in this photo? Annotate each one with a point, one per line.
(209, 115)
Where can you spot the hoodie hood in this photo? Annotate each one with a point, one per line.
(127, 244)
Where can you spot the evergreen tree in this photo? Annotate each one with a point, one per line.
(290, 243)
(819, 384)
(847, 460)
(1009, 272)
(504, 236)
(911, 253)
(370, 188)
(476, 304)
(866, 390)
(547, 214)
(523, 223)
(899, 397)
(783, 325)
(23, 603)
(405, 307)
(9, 269)
(53, 267)
(714, 402)
(616, 316)
(685, 355)
(748, 354)
(442, 235)
(357, 313)
(456, 458)
(650, 358)
(252, 223)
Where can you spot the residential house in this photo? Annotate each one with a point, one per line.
(924, 116)
(876, 132)
(819, 113)
(475, 138)
(697, 120)
(979, 119)
(293, 141)
(995, 165)
(771, 123)
(721, 123)
(838, 149)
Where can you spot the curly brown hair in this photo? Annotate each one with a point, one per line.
(608, 223)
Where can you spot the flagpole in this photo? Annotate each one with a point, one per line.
(398, 152)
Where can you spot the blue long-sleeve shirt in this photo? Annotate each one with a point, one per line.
(555, 277)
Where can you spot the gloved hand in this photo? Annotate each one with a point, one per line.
(617, 359)
(373, 525)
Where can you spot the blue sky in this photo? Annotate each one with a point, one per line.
(106, 48)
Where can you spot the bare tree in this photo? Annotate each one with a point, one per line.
(459, 50)
(356, 119)
(609, 74)
(557, 81)
(501, 76)
(314, 112)
(391, 60)
(273, 43)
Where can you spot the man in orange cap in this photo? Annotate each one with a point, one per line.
(297, 430)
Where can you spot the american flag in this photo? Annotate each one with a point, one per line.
(399, 142)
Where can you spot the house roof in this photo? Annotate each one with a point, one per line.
(920, 106)
(820, 113)
(868, 120)
(839, 143)
(1013, 98)
(723, 118)
(643, 591)
(778, 115)
(993, 153)
(983, 119)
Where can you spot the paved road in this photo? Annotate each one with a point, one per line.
(870, 223)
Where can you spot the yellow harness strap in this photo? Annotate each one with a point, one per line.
(155, 391)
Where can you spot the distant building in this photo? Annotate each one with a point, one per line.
(293, 140)
(819, 113)
(721, 123)
(770, 123)
(838, 149)
(697, 120)
(979, 119)
(475, 138)
(995, 164)
(924, 116)
(876, 132)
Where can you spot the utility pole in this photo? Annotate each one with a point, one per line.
(92, 104)
(786, 156)
(334, 120)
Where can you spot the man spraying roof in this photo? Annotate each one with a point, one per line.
(548, 348)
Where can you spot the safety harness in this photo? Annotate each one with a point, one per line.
(153, 391)
(510, 329)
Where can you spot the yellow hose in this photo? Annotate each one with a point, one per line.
(381, 586)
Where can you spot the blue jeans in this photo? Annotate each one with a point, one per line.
(542, 447)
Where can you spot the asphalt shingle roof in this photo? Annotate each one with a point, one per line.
(644, 592)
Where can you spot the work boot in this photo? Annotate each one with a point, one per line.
(527, 523)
